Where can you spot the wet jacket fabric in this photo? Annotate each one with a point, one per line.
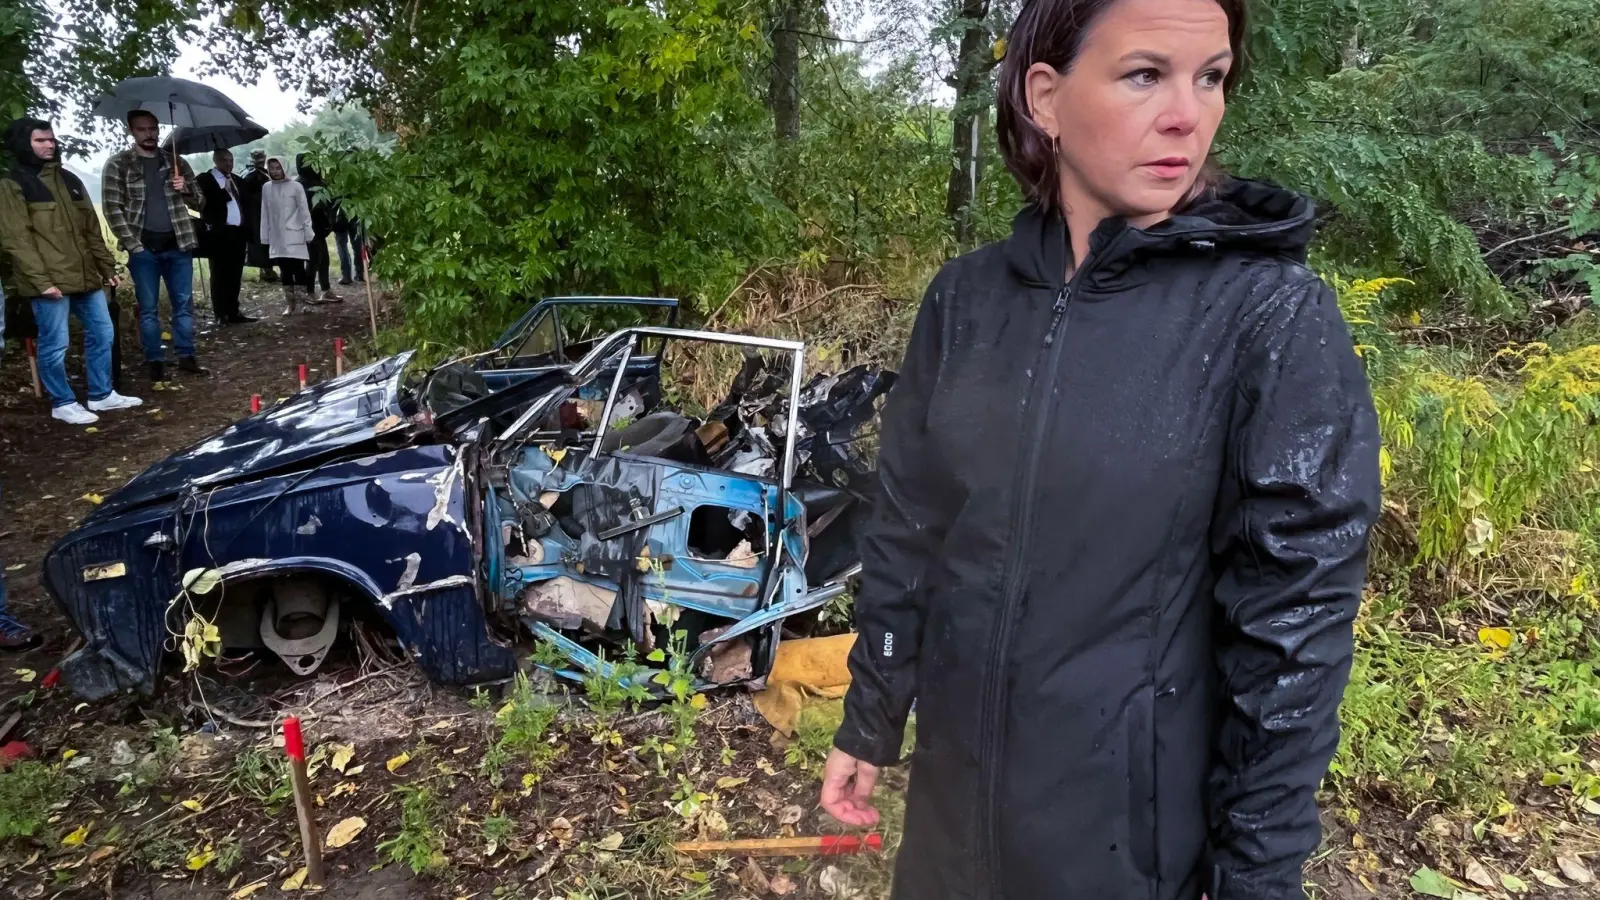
(1119, 544)
(49, 233)
(285, 219)
(123, 195)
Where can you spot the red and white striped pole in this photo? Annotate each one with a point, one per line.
(302, 376)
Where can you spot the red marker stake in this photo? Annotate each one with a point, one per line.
(255, 403)
(302, 376)
(295, 748)
(338, 356)
(33, 365)
(821, 845)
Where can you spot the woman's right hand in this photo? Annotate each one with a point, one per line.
(847, 785)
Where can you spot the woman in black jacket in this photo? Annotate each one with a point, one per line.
(1127, 477)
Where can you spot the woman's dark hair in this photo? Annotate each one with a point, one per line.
(1052, 32)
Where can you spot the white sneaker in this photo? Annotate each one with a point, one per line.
(114, 400)
(74, 414)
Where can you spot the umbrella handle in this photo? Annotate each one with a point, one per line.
(172, 113)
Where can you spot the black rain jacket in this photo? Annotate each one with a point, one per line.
(1119, 544)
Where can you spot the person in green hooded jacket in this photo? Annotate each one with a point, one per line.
(52, 254)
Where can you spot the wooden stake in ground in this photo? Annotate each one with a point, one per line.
(372, 305)
(294, 746)
(338, 356)
(33, 366)
(821, 845)
(302, 376)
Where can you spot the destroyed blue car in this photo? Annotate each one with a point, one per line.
(541, 489)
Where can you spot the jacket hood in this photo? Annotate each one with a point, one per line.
(308, 175)
(1236, 215)
(268, 165)
(19, 142)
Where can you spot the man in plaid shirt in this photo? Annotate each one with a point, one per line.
(158, 237)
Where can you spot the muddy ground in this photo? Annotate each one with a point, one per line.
(182, 794)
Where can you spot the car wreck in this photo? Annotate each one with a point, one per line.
(542, 488)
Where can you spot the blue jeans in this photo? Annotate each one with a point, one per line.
(148, 269)
(51, 314)
(349, 244)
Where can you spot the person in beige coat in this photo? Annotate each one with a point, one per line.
(286, 230)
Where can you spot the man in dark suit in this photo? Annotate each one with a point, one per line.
(224, 217)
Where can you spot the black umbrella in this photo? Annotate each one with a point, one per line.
(213, 137)
(173, 101)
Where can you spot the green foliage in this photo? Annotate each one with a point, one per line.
(1407, 116)
(528, 167)
(813, 735)
(260, 775)
(418, 844)
(27, 791)
(524, 724)
(684, 702)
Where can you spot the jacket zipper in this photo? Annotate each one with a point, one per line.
(995, 673)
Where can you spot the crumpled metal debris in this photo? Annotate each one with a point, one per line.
(751, 425)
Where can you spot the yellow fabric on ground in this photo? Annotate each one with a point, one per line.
(813, 668)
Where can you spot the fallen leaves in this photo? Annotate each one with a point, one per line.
(1430, 883)
(1478, 875)
(296, 881)
(345, 832)
(1495, 638)
(247, 890)
(26, 676)
(201, 858)
(96, 499)
(611, 843)
(193, 804)
(395, 762)
(342, 754)
(76, 837)
(752, 879)
(1575, 869)
(782, 885)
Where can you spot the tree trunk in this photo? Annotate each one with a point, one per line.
(973, 64)
(786, 70)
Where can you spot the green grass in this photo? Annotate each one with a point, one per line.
(418, 844)
(27, 791)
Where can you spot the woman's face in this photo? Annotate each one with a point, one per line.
(1136, 112)
(274, 170)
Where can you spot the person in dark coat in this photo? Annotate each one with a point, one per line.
(322, 213)
(1126, 482)
(226, 237)
(256, 253)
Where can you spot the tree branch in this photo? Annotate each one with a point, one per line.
(826, 37)
(1524, 239)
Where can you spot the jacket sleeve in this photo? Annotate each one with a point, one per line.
(16, 238)
(95, 240)
(1290, 535)
(903, 535)
(303, 220)
(114, 203)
